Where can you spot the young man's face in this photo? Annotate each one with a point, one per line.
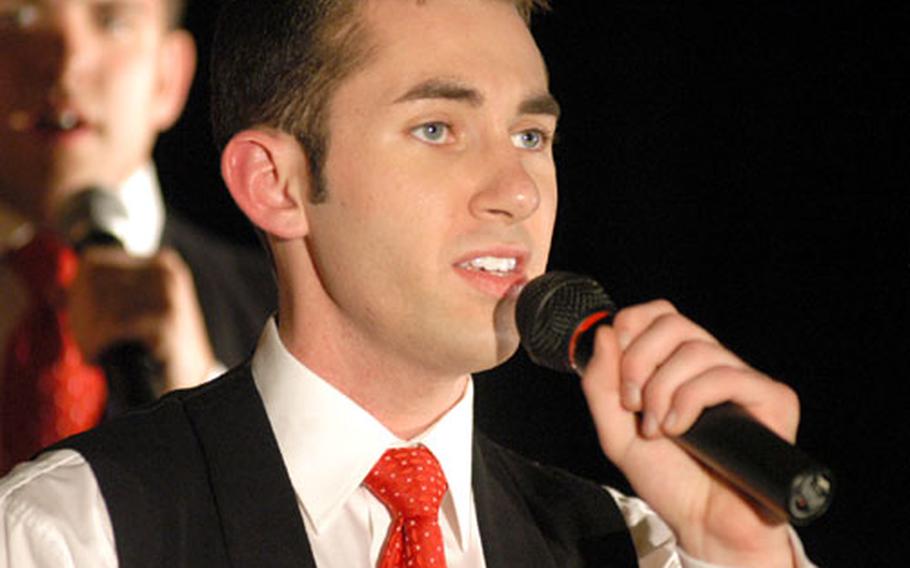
(78, 94)
(441, 182)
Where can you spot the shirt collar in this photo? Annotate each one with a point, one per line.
(141, 196)
(330, 444)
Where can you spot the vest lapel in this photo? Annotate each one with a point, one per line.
(508, 531)
(255, 500)
(532, 519)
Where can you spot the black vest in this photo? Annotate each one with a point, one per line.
(197, 480)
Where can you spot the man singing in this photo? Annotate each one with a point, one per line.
(397, 156)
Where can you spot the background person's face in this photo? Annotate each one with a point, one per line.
(79, 95)
(441, 198)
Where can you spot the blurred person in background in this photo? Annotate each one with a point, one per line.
(86, 86)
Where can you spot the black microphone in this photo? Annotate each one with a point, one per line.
(557, 315)
(97, 217)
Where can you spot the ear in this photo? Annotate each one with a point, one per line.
(267, 175)
(176, 67)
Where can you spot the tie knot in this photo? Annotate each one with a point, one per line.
(409, 481)
(46, 263)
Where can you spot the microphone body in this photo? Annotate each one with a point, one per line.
(96, 217)
(557, 315)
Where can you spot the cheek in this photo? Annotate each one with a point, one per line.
(129, 88)
(131, 109)
(544, 218)
(128, 79)
(15, 86)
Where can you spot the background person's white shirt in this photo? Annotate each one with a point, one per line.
(52, 514)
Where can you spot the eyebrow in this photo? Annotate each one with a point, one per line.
(455, 91)
(540, 104)
(442, 89)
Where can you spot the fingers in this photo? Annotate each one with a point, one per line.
(670, 369)
(117, 297)
(152, 301)
(772, 402)
(691, 359)
(616, 428)
(651, 376)
(649, 334)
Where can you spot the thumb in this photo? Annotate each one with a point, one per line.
(616, 427)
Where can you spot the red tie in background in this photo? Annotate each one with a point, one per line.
(48, 390)
(411, 485)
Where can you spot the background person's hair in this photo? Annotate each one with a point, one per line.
(277, 63)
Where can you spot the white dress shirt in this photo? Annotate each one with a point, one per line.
(52, 513)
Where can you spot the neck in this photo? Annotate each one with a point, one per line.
(405, 389)
(369, 374)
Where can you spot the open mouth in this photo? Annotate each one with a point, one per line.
(493, 265)
(60, 121)
(494, 272)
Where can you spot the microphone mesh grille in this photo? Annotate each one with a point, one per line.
(550, 308)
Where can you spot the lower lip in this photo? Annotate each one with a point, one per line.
(491, 284)
(64, 137)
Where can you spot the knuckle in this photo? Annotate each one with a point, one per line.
(638, 317)
(787, 395)
(724, 372)
(685, 396)
(171, 259)
(633, 369)
(655, 394)
(160, 264)
(625, 319)
(696, 349)
(670, 320)
(662, 305)
(172, 267)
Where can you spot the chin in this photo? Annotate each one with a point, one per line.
(493, 351)
(477, 343)
(472, 353)
(506, 331)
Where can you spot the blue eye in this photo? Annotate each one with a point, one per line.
(119, 18)
(432, 132)
(110, 20)
(530, 139)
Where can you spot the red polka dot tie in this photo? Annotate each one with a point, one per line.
(410, 483)
(48, 390)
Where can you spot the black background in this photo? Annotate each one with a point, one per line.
(746, 161)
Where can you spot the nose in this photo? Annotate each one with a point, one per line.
(510, 194)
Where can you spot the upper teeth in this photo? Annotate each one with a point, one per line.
(67, 120)
(492, 264)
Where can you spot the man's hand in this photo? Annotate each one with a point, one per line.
(652, 374)
(117, 297)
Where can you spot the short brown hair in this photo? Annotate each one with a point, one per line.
(278, 62)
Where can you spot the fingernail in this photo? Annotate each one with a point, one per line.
(632, 395)
(624, 339)
(670, 420)
(648, 425)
